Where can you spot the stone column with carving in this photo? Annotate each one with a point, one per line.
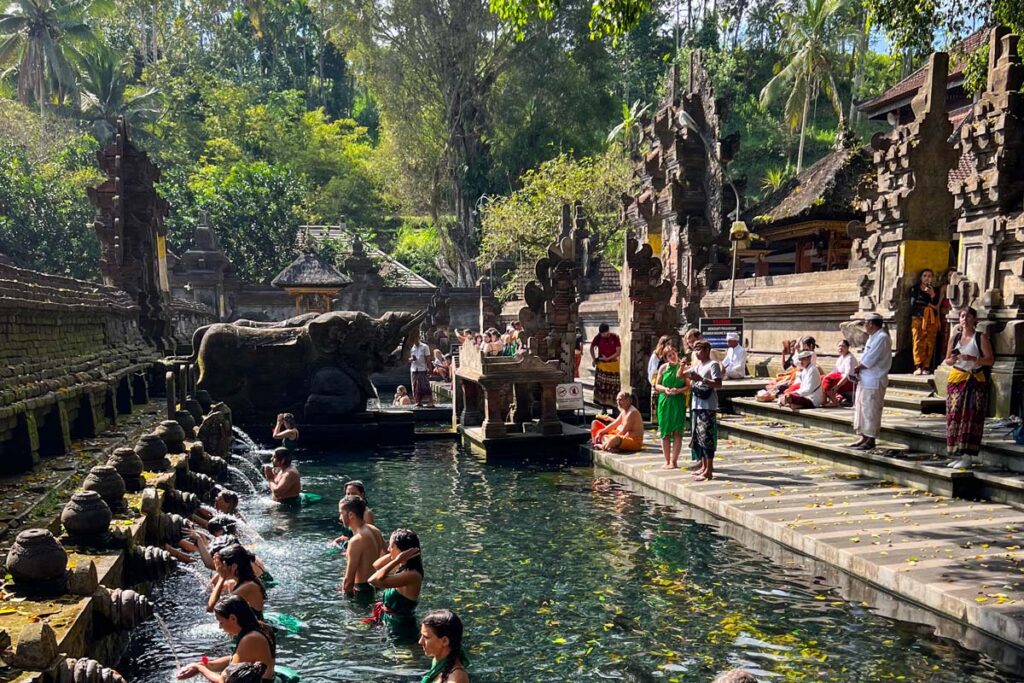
(908, 217)
(681, 207)
(130, 225)
(645, 313)
(490, 309)
(551, 314)
(362, 294)
(990, 199)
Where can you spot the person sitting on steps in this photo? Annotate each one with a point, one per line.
(624, 433)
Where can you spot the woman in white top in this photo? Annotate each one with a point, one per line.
(968, 352)
(653, 364)
(808, 394)
(837, 384)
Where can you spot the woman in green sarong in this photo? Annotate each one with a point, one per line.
(672, 386)
(400, 574)
(441, 640)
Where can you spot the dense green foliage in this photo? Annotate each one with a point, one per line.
(448, 132)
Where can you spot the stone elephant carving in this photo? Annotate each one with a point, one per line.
(316, 366)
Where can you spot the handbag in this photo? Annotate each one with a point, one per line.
(701, 390)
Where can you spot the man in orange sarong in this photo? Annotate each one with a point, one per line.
(623, 434)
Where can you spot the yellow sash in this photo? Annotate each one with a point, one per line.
(608, 365)
(956, 375)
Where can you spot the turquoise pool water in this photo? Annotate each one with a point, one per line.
(558, 577)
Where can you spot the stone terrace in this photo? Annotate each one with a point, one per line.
(71, 360)
(957, 558)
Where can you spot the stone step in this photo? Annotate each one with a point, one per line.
(890, 461)
(908, 428)
(925, 383)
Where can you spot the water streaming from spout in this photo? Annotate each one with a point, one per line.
(244, 438)
(170, 641)
(241, 475)
(192, 571)
(250, 466)
(247, 532)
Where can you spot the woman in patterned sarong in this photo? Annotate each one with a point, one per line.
(969, 352)
(605, 350)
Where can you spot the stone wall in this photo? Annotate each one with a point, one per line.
(71, 359)
(186, 317)
(780, 307)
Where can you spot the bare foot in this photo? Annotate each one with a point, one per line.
(702, 477)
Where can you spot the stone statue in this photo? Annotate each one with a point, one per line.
(315, 366)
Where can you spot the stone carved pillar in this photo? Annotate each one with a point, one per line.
(435, 329)
(908, 218)
(490, 309)
(472, 408)
(682, 205)
(551, 314)
(990, 198)
(645, 313)
(130, 225)
(494, 413)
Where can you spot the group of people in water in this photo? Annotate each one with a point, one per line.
(238, 587)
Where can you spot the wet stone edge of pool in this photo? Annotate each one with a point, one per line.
(650, 482)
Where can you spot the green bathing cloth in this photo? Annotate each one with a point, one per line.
(438, 666)
(284, 674)
(284, 622)
(308, 498)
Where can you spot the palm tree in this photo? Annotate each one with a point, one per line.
(810, 36)
(43, 37)
(631, 128)
(106, 95)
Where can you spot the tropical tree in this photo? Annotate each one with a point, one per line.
(810, 37)
(630, 130)
(44, 38)
(107, 95)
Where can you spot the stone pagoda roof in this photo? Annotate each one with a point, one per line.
(824, 191)
(396, 274)
(309, 270)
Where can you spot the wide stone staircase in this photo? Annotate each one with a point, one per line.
(911, 449)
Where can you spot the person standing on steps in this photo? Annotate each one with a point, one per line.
(671, 387)
(924, 321)
(605, 350)
(872, 375)
(419, 367)
(705, 380)
(653, 365)
(969, 352)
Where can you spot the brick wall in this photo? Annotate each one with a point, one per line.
(71, 359)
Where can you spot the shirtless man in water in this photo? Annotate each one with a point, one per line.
(625, 433)
(285, 484)
(365, 546)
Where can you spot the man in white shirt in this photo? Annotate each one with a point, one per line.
(872, 379)
(735, 358)
(808, 394)
(419, 359)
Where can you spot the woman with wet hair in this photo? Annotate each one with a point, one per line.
(441, 640)
(254, 642)
(247, 672)
(287, 431)
(400, 574)
(238, 576)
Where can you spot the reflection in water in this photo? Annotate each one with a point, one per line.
(558, 577)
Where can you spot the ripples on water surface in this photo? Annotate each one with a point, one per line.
(555, 580)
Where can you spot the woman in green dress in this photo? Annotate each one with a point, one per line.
(400, 575)
(671, 386)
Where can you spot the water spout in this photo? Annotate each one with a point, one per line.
(241, 475)
(256, 471)
(170, 641)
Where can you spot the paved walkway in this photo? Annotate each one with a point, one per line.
(959, 558)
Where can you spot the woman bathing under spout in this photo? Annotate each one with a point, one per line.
(254, 642)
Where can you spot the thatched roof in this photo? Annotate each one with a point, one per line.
(309, 270)
(825, 190)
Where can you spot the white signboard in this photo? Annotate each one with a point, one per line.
(569, 396)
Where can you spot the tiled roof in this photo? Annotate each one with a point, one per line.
(396, 274)
(907, 88)
(825, 190)
(309, 270)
